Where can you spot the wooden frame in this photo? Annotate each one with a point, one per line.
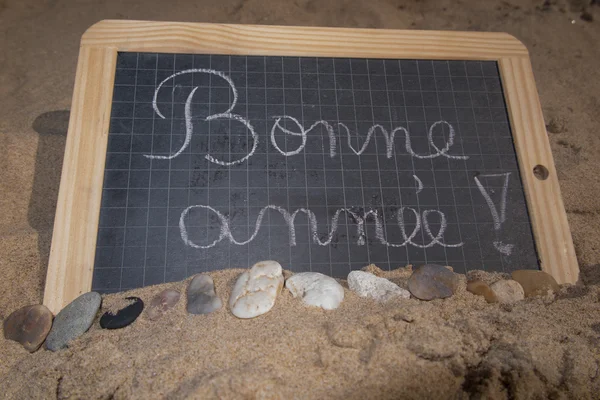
(71, 262)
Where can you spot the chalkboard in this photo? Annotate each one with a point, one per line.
(193, 147)
(323, 164)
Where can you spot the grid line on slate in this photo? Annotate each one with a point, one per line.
(209, 132)
(305, 176)
(342, 160)
(435, 187)
(471, 198)
(128, 184)
(248, 230)
(441, 260)
(148, 201)
(413, 167)
(281, 224)
(286, 169)
(451, 182)
(500, 159)
(395, 155)
(189, 183)
(321, 135)
(229, 197)
(169, 164)
(268, 188)
(143, 197)
(362, 184)
(385, 225)
(483, 159)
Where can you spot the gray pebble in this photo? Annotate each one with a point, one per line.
(201, 296)
(432, 281)
(73, 320)
(366, 284)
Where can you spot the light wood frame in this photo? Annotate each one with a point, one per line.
(71, 261)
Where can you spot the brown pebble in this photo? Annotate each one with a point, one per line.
(535, 283)
(557, 125)
(373, 269)
(161, 303)
(481, 288)
(587, 16)
(508, 291)
(29, 326)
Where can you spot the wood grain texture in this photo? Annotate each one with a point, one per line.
(174, 37)
(71, 263)
(546, 209)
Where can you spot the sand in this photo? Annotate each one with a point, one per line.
(450, 348)
(459, 347)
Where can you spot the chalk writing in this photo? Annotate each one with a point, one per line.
(302, 132)
(498, 217)
(359, 218)
(419, 183)
(281, 125)
(189, 128)
(388, 136)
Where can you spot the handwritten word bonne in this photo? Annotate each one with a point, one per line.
(302, 131)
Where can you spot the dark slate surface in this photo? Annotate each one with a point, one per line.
(139, 238)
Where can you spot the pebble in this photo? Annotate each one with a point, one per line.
(124, 317)
(316, 289)
(255, 291)
(587, 16)
(368, 285)
(557, 124)
(480, 288)
(73, 320)
(201, 296)
(508, 291)
(432, 281)
(535, 283)
(29, 326)
(162, 302)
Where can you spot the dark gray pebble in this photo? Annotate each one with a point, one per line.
(73, 320)
(124, 316)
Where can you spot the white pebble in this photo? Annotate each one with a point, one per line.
(508, 291)
(316, 289)
(365, 284)
(255, 291)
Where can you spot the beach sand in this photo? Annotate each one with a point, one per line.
(453, 348)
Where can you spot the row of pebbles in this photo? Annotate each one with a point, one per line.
(255, 293)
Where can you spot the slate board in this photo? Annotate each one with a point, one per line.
(157, 168)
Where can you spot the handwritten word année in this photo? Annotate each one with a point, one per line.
(359, 218)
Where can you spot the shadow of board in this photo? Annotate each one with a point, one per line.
(52, 129)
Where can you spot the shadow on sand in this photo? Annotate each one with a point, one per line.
(52, 130)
